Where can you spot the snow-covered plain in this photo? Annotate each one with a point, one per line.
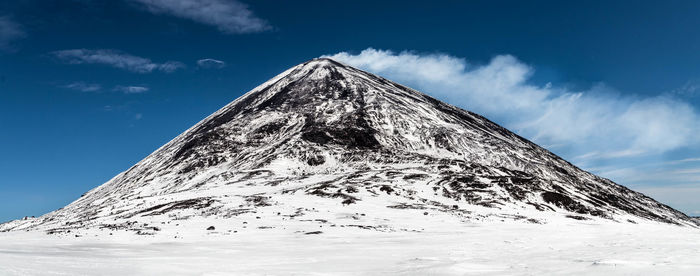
(495, 248)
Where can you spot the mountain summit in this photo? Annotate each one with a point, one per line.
(327, 144)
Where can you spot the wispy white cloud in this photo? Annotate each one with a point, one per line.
(229, 16)
(686, 160)
(131, 89)
(115, 59)
(10, 31)
(209, 63)
(595, 123)
(84, 87)
(651, 176)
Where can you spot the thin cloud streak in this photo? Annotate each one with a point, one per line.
(84, 87)
(131, 89)
(229, 16)
(209, 63)
(116, 59)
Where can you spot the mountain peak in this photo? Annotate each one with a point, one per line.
(325, 61)
(316, 68)
(324, 136)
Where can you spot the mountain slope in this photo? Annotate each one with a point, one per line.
(336, 145)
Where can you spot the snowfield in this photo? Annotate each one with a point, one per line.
(495, 248)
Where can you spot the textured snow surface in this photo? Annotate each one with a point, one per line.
(500, 248)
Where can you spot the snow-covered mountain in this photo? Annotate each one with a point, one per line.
(327, 144)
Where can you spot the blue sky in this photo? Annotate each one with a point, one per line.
(88, 88)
